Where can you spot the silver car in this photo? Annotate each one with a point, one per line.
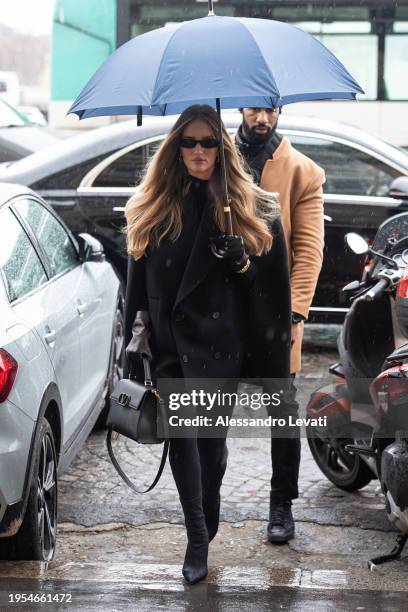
(61, 342)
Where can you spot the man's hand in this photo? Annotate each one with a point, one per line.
(296, 332)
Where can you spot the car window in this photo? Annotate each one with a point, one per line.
(348, 170)
(127, 170)
(68, 178)
(21, 267)
(9, 116)
(52, 236)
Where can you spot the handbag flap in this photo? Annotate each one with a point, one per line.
(129, 391)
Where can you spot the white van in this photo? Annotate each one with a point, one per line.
(10, 87)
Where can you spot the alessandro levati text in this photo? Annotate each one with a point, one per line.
(227, 421)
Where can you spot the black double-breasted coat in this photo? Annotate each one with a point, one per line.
(217, 326)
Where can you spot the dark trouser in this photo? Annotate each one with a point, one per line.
(285, 454)
(198, 465)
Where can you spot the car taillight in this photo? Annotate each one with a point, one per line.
(8, 371)
(402, 288)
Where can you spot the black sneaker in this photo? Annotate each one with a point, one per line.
(281, 527)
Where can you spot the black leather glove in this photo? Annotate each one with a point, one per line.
(231, 248)
(139, 344)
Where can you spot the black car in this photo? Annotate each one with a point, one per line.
(89, 178)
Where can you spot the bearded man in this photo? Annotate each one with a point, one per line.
(278, 167)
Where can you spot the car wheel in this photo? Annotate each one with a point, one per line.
(345, 470)
(115, 362)
(37, 536)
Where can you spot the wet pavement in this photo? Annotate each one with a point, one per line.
(210, 598)
(121, 551)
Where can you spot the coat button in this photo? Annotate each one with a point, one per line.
(215, 315)
(217, 355)
(227, 279)
(179, 316)
(185, 358)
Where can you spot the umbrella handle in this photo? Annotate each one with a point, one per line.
(227, 200)
(215, 251)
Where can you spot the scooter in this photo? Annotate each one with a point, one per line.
(389, 392)
(350, 447)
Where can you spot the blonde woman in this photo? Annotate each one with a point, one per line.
(199, 315)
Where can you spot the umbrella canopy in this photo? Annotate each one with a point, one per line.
(241, 61)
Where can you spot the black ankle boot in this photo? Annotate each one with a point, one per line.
(281, 526)
(211, 507)
(195, 561)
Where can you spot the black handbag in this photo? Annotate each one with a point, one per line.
(138, 412)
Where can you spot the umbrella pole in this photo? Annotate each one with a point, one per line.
(224, 186)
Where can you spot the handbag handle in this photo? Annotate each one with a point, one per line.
(148, 383)
(122, 473)
(147, 372)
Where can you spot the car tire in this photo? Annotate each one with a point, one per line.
(345, 470)
(115, 372)
(37, 536)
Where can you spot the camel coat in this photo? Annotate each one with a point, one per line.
(299, 183)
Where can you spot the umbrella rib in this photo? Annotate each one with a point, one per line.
(261, 54)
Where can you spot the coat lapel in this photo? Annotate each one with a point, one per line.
(201, 258)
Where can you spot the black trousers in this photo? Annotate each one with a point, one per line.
(198, 465)
(285, 454)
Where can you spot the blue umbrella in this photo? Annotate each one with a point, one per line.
(241, 61)
(229, 62)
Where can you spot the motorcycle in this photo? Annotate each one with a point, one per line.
(366, 405)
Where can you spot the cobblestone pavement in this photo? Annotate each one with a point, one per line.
(92, 493)
(117, 551)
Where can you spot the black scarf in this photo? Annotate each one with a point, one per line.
(256, 153)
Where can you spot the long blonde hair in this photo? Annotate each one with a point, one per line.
(155, 210)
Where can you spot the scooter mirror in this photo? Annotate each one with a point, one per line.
(356, 243)
(353, 286)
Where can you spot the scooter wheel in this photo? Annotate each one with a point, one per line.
(345, 470)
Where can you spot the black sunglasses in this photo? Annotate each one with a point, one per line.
(206, 143)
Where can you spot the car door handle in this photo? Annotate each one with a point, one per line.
(81, 308)
(50, 336)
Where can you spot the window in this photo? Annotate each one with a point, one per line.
(19, 262)
(348, 171)
(70, 176)
(395, 68)
(400, 26)
(128, 169)
(51, 235)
